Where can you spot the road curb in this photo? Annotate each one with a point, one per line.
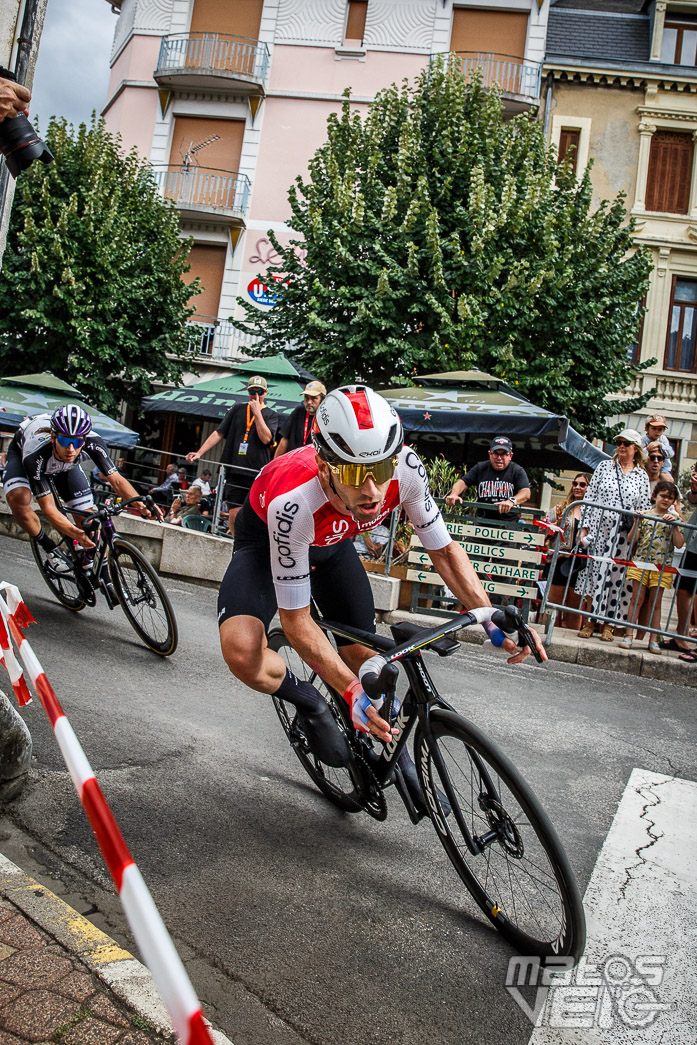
(123, 974)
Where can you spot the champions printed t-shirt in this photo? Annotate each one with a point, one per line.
(493, 486)
(287, 495)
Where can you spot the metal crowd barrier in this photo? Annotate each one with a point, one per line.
(602, 568)
(507, 554)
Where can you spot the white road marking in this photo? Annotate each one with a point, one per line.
(637, 979)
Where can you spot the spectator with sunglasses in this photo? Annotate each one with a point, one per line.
(655, 431)
(293, 543)
(656, 463)
(562, 584)
(51, 447)
(249, 430)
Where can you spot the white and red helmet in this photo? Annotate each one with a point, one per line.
(355, 425)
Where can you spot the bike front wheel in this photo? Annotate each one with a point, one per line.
(64, 586)
(143, 599)
(518, 873)
(337, 784)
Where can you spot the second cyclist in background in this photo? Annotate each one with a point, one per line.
(51, 447)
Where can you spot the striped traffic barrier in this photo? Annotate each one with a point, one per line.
(647, 567)
(154, 942)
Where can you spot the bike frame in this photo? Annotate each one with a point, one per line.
(420, 698)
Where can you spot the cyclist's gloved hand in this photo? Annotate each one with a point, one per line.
(359, 702)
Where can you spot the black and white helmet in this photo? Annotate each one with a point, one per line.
(355, 425)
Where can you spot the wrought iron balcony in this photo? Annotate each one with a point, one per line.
(201, 191)
(518, 79)
(212, 59)
(220, 340)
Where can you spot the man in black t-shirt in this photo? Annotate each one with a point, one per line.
(498, 481)
(248, 429)
(297, 429)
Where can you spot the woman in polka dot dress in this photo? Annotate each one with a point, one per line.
(620, 483)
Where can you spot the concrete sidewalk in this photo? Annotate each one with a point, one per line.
(570, 649)
(63, 981)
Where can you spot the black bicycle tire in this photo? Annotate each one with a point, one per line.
(570, 940)
(75, 604)
(322, 776)
(166, 647)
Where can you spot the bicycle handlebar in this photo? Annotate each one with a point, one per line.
(382, 683)
(107, 510)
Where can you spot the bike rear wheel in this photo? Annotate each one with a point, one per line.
(521, 877)
(64, 586)
(337, 784)
(143, 598)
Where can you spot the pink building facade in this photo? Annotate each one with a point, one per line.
(228, 99)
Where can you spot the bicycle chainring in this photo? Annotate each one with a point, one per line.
(370, 793)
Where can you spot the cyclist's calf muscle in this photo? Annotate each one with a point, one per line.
(24, 515)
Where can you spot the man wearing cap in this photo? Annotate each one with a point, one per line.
(499, 482)
(655, 431)
(297, 430)
(248, 430)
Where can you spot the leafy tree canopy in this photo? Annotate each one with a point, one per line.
(91, 285)
(436, 235)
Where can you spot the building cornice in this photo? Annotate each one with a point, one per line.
(619, 74)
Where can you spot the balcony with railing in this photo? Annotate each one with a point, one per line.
(518, 79)
(231, 63)
(201, 192)
(219, 340)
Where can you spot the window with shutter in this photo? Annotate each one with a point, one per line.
(569, 139)
(356, 11)
(681, 341)
(670, 172)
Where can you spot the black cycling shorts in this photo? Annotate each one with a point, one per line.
(688, 584)
(340, 585)
(71, 485)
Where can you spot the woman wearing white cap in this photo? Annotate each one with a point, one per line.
(621, 484)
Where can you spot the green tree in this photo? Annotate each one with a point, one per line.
(91, 285)
(434, 234)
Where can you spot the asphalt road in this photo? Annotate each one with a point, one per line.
(298, 923)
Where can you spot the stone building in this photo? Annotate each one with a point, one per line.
(620, 88)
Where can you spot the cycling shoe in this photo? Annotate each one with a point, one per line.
(411, 779)
(59, 562)
(322, 733)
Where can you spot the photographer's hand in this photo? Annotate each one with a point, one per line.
(14, 98)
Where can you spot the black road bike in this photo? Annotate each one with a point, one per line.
(493, 828)
(122, 574)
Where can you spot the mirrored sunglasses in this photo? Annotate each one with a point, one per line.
(356, 474)
(70, 440)
(256, 391)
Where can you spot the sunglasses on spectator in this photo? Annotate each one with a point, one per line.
(623, 442)
(582, 485)
(256, 391)
(656, 457)
(69, 440)
(500, 453)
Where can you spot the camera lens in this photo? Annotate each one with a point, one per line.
(20, 144)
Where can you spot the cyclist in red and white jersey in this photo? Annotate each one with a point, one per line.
(293, 542)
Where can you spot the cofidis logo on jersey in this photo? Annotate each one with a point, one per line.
(262, 293)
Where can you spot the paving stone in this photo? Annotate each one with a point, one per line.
(36, 1015)
(91, 1031)
(19, 933)
(77, 984)
(99, 1005)
(41, 967)
(136, 1037)
(9, 1039)
(6, 950)
(8, 992)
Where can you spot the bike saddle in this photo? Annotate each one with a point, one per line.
(405, 630)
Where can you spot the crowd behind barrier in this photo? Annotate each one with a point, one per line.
(648, 555)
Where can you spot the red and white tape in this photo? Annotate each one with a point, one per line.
(148, 929)
(650, 567)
